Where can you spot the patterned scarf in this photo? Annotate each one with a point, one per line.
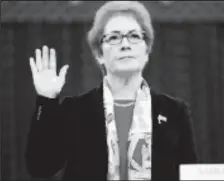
(141, 128)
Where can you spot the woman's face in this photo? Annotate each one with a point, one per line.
(123, 58)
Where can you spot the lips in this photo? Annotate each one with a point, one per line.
(124, 57)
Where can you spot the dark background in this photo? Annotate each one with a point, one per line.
(187, 62)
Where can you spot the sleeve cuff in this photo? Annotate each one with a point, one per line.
(41, 100)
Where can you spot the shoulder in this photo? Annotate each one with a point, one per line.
(84, 97)
(171, 103)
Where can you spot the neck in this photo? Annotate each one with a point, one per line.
(124, 87)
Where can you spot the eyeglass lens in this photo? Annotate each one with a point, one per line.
(116, 38)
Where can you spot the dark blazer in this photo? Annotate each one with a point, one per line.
(72, 135)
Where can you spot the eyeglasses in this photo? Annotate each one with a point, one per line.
(116, 38)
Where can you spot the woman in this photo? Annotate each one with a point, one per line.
(122, 129)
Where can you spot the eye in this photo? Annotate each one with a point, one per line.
(135, 36)
(113, 37)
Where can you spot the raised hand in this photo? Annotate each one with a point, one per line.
(46, 81)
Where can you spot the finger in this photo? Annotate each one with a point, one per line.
(63, 72)
(33, 66)
(38, 60)
(45, 58)
(52, 61)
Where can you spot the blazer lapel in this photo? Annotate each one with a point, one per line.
(165, 133)
(156, 136)
(155, 112)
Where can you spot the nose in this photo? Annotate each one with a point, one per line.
(125, 44)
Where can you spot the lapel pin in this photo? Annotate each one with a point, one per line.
(161, 119)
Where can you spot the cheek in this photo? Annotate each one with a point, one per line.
(142, 52)
(143, 48)
(108, 54)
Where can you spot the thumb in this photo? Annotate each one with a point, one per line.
(63, 71)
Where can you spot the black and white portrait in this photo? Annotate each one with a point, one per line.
(111, 90)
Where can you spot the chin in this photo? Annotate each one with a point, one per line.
(125, 72)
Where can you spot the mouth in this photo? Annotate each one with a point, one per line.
(125, 57)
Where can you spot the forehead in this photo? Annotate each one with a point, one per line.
(122, 23)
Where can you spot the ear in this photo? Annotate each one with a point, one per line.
(146, 57)
(148, 50)
(98, 58)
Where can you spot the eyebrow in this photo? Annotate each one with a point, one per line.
(115, 31)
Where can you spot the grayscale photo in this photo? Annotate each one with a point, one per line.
(112, 90)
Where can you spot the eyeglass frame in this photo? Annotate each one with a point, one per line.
(123, 36)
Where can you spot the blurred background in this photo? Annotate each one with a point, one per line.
(187, 62)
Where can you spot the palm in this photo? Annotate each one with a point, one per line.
(46, 81)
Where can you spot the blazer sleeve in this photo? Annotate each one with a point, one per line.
(187, 142)
(45, 154)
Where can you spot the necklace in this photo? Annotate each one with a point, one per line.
(123, 105)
